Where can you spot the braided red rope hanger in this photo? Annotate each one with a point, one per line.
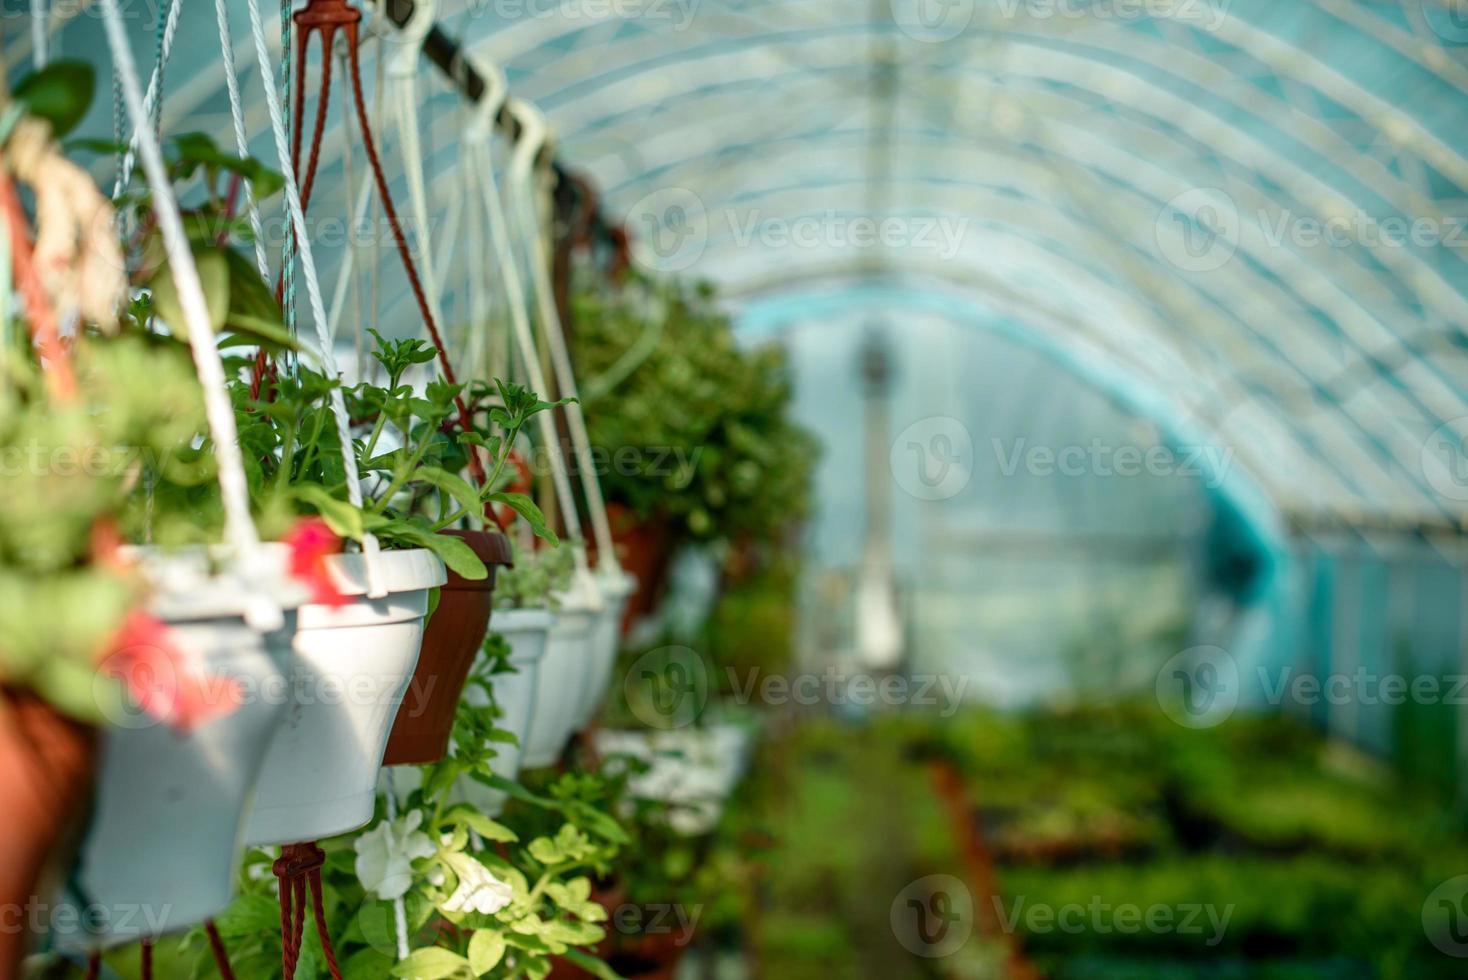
(328, 17)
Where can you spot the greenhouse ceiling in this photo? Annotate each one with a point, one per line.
(1258, 209)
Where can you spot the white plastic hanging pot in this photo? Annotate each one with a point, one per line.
(695, 770)
(616, 589)
(163, 844)
(350, 670)
(563, 678)
(527, 631)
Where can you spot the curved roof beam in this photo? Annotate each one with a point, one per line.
(1370, 333)
(1213, 305)
(1246, 148)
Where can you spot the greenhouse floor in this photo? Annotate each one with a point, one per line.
(1089, 845)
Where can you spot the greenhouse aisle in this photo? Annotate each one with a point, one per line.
(733, 490)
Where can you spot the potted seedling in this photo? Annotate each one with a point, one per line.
(456, 630)
(322, 774)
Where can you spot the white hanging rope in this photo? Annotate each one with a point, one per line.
(40, 33)
(532, 136)
(376, 588)
(479, 136)
(550, 327)
(150, 101)
(241, 141)
(234, 490)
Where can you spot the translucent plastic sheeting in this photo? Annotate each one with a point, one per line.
(1256, 209)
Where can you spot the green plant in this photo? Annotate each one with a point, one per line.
(538, 575)
(707, 420)
(70, 465)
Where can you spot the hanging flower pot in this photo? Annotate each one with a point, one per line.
(348, 675)
(616, 590)
(46, 764)
(563, 678)
(180, 755)
(645, 549)
(527, 632)
(455, 634)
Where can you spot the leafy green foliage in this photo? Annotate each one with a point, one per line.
(704, 420)
(70, 467)
(60, 93)
(537, 576)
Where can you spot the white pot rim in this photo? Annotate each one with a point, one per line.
(528, 620)
(408, 570)
(616, 583)
(206, 581)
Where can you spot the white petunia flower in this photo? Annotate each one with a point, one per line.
(479, 890)
(385, 855)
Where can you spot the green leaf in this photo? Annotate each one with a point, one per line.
(194, 150)
(592, 965)
(339, 515)
(455, 553)
(485, 827)
(486, 949)
(60, 93)
(252, 308)
(453, 485)
(430, 964)
(249, 915)
(213, 276)
(526, 508)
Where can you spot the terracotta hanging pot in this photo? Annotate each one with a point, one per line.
(46, 765)
(645, 551)
(420, 734)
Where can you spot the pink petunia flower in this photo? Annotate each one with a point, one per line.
(310, 542)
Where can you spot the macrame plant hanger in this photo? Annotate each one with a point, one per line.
(328, 17)
(525, 187)
(529, 142)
